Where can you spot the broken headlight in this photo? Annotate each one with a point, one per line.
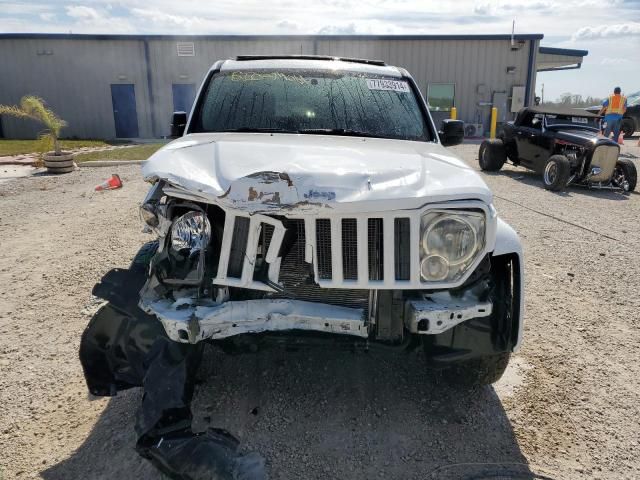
(449, 244)
(190, 233)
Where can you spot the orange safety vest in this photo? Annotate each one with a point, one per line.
(616, 104)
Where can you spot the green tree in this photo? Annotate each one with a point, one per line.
(34, 108)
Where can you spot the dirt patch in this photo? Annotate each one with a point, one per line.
(567, 407)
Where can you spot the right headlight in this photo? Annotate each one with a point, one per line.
(449, 243)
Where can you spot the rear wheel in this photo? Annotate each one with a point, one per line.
(628, 127)
(556, 173)
(625, 175)
(492, 155)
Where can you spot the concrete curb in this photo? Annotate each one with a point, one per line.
(109, 163)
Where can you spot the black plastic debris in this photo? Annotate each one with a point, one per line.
(213, 455)
(123, 347)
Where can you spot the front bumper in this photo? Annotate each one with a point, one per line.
(188, 321)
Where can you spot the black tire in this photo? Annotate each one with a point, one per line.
(556, 173)
(492, 155)
(469, 373)
(625, 175)
(628, 127)
(143, 257)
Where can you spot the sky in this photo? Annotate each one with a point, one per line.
(609, 30)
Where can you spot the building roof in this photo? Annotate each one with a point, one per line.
(568, 52)
(76, 36)
(550, 59)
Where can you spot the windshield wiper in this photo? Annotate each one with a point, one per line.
(258, 130)
(337, 131)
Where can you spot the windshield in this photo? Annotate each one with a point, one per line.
(313, 102)
(553, 120)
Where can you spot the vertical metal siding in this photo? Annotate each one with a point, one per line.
(75, 82)
(75, 79)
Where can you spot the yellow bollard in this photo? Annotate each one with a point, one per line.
(494, 121)
(454, 113)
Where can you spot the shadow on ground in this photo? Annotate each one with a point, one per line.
(325, 413)
(529, 177)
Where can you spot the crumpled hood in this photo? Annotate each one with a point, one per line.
(265, 172)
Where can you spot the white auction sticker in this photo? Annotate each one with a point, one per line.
(381, 84)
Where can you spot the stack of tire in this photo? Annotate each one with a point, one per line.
(59, 163)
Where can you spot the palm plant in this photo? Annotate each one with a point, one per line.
(33, 107)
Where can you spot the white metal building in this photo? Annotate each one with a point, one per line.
(108, 86)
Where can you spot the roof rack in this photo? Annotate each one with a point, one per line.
(242, 58)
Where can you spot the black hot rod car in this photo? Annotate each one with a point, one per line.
(564, 145)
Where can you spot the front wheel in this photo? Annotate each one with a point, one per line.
(477, 371)
(556, 173)
(625, 175)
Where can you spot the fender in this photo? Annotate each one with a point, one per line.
(508, 243)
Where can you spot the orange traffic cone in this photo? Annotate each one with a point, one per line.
(110, 184)
(621, 138)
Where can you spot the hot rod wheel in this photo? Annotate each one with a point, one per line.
(58, 163)
(625, 175)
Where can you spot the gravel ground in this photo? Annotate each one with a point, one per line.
(567, 408)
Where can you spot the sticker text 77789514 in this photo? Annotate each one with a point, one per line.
(382, 84)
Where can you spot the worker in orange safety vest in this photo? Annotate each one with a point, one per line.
(613, 108)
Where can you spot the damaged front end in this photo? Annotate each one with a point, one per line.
(274, 260)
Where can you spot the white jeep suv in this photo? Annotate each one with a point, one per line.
(312, 197)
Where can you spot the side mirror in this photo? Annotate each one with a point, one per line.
(178, 123)
(452, 132)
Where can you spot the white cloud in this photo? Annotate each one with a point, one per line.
(364, 27)
(47, 17)
(345, 29)
(616, 61)
(482, 8)
(288, 25)
(631, 29)
(165, 20)
(80, 12)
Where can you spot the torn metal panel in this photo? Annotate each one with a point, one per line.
(341, 173)
(191, 320)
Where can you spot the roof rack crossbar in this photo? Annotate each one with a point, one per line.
(242, 58)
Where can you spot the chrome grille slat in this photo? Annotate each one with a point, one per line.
(323, 246)
(402, 248)
(375, 248)
(238, 247)
(349, 249)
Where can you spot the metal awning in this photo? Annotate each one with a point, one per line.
(550, 59)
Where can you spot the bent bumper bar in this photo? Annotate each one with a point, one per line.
(184, 322)
(189, 323)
